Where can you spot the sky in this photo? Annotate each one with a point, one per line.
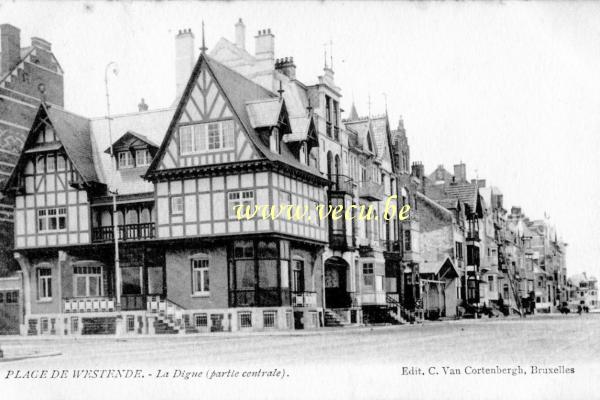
(512, 89)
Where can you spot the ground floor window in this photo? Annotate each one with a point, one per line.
(44, 325)
(269, 319)
(245, 319)
(130, 323)
(44, 283)
(74, 324)
(200, 275)
(200, 320)
(87, 281)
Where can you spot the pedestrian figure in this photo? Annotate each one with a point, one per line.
(579, 309)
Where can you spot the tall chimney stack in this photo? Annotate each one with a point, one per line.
(184, 59)
(10, 47)
(240, 34)
(265, 45)
(460, 172)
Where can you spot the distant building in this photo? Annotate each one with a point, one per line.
(583, 290)
(26, 74)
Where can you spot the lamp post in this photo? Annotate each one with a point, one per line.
(113, 190)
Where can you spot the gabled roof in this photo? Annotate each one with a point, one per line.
(380, 132)
(363, 129)
(303, 128)
(73, 132)
(445, 268)
(467, 193)
(139, 136)
(444, 213)
(264, 113)
(238, 91)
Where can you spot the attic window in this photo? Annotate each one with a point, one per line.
(142, 158)
(274, 140)
(201, 138)
(125, 160)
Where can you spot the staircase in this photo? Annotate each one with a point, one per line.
(169, 316)
(398, 312)
(332, 318)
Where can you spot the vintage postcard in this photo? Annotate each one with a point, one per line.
(299, 200)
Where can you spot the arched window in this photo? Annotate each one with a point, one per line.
(131, 217)
(44, 281)
(337, 166)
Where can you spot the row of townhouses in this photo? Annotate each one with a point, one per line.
(128, 224)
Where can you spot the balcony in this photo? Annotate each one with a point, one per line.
(473, 235)
(88, 304)
(341, 184)
(371, 191)
(126, 232)
(304, 299)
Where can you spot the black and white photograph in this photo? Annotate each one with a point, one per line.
(299, 200)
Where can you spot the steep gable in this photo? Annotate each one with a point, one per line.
(204, 101)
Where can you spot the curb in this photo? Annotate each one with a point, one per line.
(25, 357)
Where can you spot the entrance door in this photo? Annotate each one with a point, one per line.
(9, 312)
(336, 295)
(132, 283)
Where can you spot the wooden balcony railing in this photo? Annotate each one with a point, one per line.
(126, 232)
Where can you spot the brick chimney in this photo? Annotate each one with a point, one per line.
(265, 45)
(10, 47)
(460, 172)
(240, 34)
(286, 66)
(184, 59)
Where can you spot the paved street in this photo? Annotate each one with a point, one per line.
(540, 339)
(342, 363)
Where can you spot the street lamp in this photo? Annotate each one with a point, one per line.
(113, 190)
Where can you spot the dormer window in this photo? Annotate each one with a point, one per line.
(125, 159)
(142, 158)
(274, 140)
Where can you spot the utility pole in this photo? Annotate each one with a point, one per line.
(113, 190)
